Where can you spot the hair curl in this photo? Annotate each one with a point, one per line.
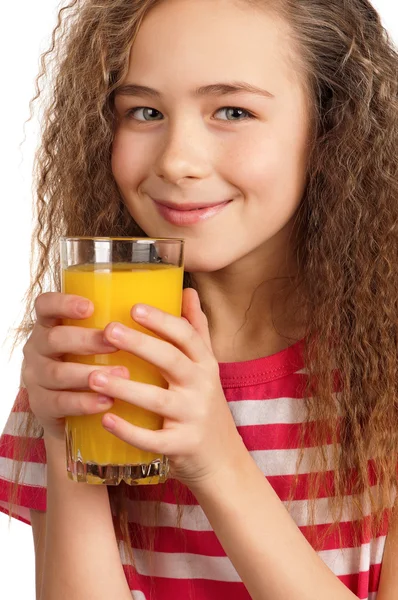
(346, 245)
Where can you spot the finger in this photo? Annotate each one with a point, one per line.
(52, 307)
(70, 404)
(192, 311)
(173, 329)
(175, 366)
(59, 375)
(160, 441)
(151, 397)
(64, 339)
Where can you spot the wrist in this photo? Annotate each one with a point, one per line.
(54, 444)
(228, 473)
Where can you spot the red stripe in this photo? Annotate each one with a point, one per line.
(184, 589)
(175, 540)
(260, 388)
(9, 448)
(197, 589)
(288, 387)
(363, 583)
(282, 484)
(280, 436)
(29, 496)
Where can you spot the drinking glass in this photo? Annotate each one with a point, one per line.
(115, 274)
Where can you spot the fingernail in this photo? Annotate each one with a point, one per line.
(83, 306)
(100, 379)
(108, 422)
(116, 332)
(101, 399)
(140, 311)
(119, 372)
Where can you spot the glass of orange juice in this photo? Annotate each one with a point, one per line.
(115, 274)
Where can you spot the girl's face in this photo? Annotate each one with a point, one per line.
(185, 146)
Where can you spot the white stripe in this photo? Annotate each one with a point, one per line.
(137, 595)
(14, 422)
(194, 519)
(31, 474)
(176, 565)
(244, 412)
(271, 462)
(284, 462)
(372, 596)
(268, 412)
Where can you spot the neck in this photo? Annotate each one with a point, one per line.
(252, 312)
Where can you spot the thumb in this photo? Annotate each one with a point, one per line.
(192, 312)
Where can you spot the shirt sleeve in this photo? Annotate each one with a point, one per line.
(22, 461)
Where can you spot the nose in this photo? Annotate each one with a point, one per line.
(184, 153)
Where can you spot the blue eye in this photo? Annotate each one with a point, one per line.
(148, 112)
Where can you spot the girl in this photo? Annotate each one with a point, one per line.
(265, 134)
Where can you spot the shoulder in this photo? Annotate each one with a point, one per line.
(389, 571)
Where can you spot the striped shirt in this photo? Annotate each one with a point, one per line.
(264, 396)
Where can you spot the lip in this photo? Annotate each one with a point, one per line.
(188, 214)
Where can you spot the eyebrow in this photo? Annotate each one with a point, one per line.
(214, 89)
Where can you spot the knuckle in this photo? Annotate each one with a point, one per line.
(87, 339)
(81, 404)
(178, 361)
(27, 373)
(26, 349)
(53, 337)
(41, 301)
(38, 303)
(58, 402)
(160, 403)
(55, 372)
(188, 332)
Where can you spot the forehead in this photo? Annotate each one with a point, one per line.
(183, 43)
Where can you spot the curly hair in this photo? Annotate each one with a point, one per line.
(347, 221)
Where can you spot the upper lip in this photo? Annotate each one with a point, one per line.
(187, 205)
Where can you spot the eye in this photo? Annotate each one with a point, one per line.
(151, 114)
(147, 112)
(234, 111)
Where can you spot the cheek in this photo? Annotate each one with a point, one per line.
(271, 166)
(127, 161)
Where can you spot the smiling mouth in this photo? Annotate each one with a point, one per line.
(189, 214)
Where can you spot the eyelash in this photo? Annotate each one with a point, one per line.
(131, 111)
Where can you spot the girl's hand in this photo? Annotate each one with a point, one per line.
(57, 389)
(199, 435)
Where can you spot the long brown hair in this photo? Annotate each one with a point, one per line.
(347, 222)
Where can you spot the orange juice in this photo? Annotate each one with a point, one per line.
(114, 289)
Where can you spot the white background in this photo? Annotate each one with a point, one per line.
(25, 30)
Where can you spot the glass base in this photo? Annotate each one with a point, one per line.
(139, 474)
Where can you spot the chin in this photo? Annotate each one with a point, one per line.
(205, 264)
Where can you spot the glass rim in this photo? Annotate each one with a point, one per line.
(120, 239)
